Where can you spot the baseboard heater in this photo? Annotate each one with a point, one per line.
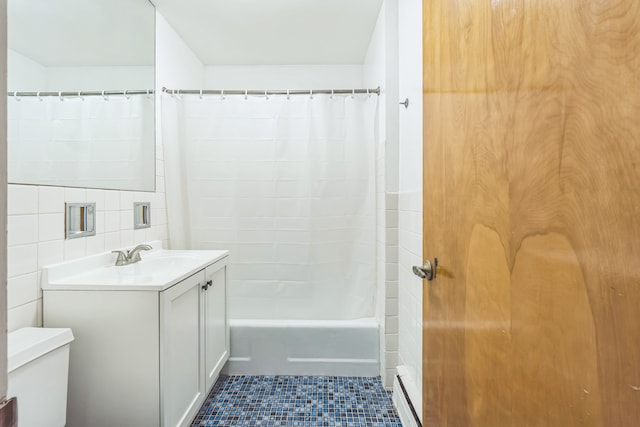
(409, 402)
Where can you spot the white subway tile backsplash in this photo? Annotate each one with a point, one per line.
(22, 229)
(112, 200)
(50, 252)
(111, 221)
(22, 260)
(75, 195)
(51, 227)
(22, 289)
(95, 244)
(97, 197)
(22, 199)
(50, 200)
(112, 240)
(126, 237)
(126, 219)
(75, 248)
(126, 200)
(23, 316)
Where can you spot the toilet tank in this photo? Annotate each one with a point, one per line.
(38, 366)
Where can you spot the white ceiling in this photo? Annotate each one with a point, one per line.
(274, 32)
(83, 32)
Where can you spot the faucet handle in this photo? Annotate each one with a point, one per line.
(122, 257)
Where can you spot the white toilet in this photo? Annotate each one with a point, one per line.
(38, 366)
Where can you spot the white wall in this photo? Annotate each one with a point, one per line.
(25, 74)
(36, 213)
(410, 196)
(380, 68)
(283, 77)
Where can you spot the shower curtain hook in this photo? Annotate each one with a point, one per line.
(60, 96)
(353, 93)
(201, 97)
(173, 92)
(245, 94)
(368, 94)
(310, 93)
(222, 97)
(104, 97)
(80, 96)
(266, 95)
(15, 96)
(148, 93)
(125, 94)
(288, 96)
(38, 95)
(331, 97)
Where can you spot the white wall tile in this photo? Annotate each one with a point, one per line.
(22, 229)
(98, 197)
(24, 316)
(126, 219)
(95, 244)
(22, 199)
(50, 200)
(75, 248)
(22, 259)
(51, 252)
(112, 200)
(75, 195)
(51, 227)
(111, 221)
(112, 240)
(22, 289)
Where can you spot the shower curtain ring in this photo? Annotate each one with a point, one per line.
(245, 94)
(266, 95)
(201, 97)
(331, 97)
(15, 96)
(104, 97)
(148, 93)
(38, 95)
(222, 97)
(288, 96)
(125, 94)
(353, 93)
(310, 93)
(368, 94)
(80, 96)
(60, 96)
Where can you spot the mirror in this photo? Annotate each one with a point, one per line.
(81, 104)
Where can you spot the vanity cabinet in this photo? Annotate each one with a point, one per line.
(143, 357)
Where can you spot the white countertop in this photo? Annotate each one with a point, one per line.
(159, 270)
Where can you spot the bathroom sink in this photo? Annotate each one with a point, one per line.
(159, 269)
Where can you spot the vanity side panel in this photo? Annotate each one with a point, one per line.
(114, 372)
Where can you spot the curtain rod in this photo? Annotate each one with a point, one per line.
(223, 92)
(83, 93)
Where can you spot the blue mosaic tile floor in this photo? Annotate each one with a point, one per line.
(304, 401)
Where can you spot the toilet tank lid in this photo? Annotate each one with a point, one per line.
(27, 344)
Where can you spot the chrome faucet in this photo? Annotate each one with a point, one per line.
(132, 256)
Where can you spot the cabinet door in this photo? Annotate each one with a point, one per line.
(182, 353)
(216, 327)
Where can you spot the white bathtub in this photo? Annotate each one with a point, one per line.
(304, 347)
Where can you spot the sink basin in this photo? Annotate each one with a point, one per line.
(158, 270)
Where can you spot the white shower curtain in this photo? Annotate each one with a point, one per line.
(288, 186)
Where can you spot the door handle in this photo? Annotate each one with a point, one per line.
(427, 271)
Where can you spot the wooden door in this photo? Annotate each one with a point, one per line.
(532, 206)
